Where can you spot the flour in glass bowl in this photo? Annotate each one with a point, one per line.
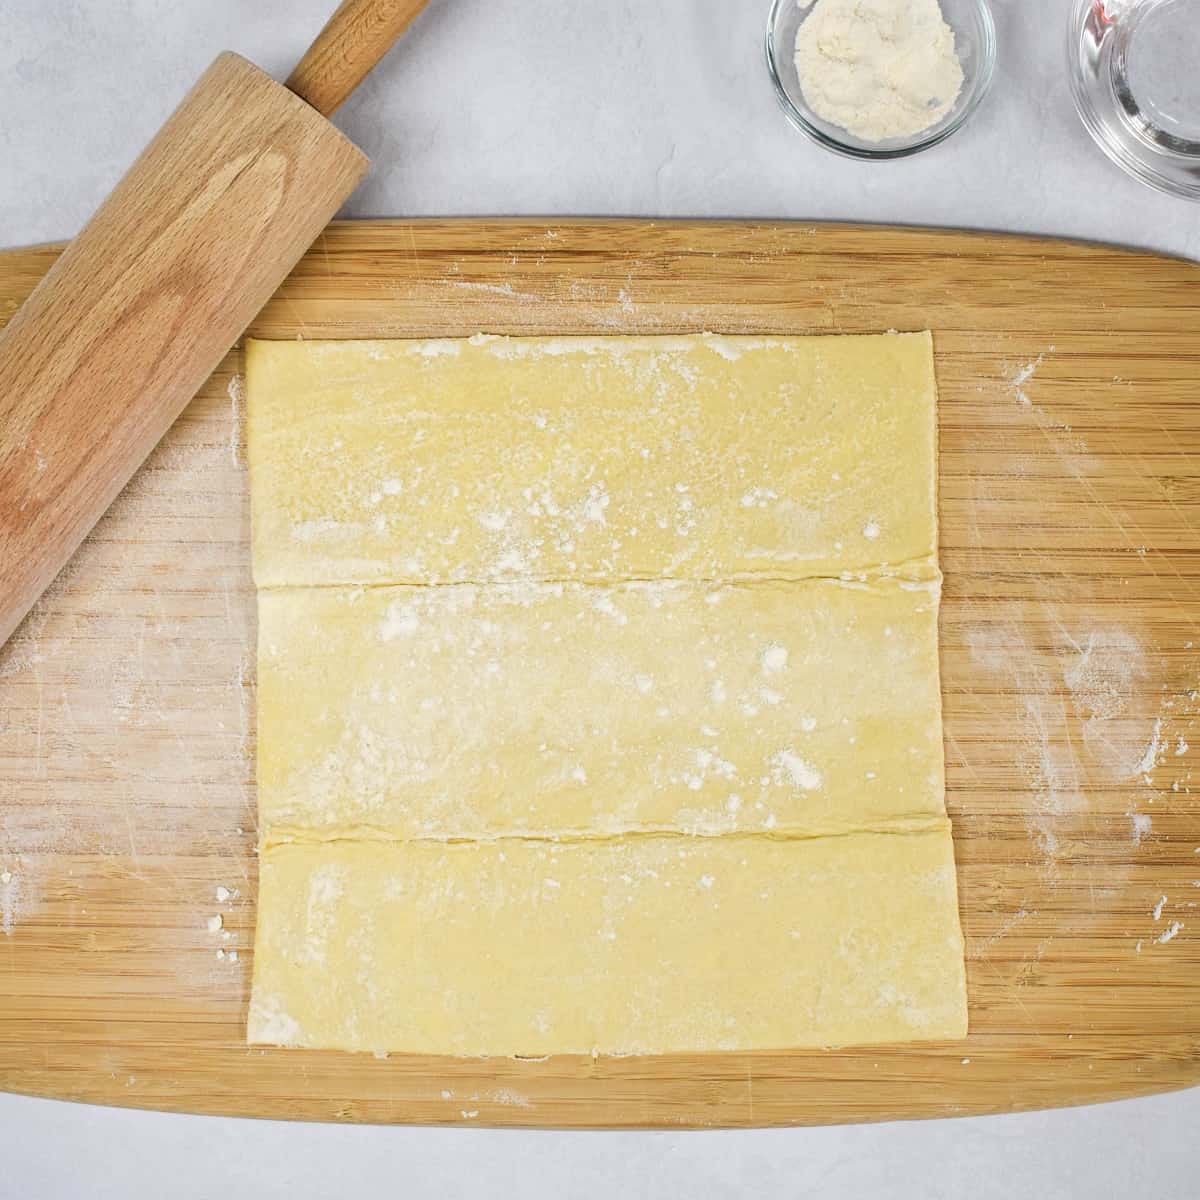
(878, 68)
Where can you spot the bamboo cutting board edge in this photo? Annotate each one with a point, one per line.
(110, 989)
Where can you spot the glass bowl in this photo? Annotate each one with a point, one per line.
(974, 42)
(1133, 72)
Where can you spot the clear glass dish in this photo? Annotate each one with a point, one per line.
(974, 42)
(1135, 75)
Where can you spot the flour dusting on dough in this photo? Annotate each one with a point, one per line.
(799, 773)
(268, 1023)
(775, 658)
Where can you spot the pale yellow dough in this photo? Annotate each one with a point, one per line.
(633, 946)
(598, 695)
(560, 709)
(589, 458)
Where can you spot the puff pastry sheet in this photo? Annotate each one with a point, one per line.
(598, 696)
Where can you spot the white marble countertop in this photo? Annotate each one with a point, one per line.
(534, 107)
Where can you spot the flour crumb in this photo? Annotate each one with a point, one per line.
(223, 894)
(871, 530)
(1155, 747)
(214, 923)
(1168, 933)
(1157, 911)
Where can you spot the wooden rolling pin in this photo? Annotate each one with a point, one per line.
(142, 306)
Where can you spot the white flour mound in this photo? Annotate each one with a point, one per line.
(878, 68)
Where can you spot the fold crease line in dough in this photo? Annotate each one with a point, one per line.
(295, 836)
(920, 571)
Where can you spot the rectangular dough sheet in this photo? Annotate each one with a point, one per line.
(639, 945)
(555, 710)
(590, 459)
(598, 695)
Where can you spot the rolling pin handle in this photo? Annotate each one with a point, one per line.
(355, 38)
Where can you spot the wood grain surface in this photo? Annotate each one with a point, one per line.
(1070, 475)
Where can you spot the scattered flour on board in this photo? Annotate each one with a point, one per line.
(1048, 758)
(1102, 670)
(10, 901)
(236, 390)
(1141, 825)
(1021, 376)
(1154, 748)
(1168, 933)
(1103, 675)
(118, 699)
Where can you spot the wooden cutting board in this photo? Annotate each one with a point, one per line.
(1069, 379)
